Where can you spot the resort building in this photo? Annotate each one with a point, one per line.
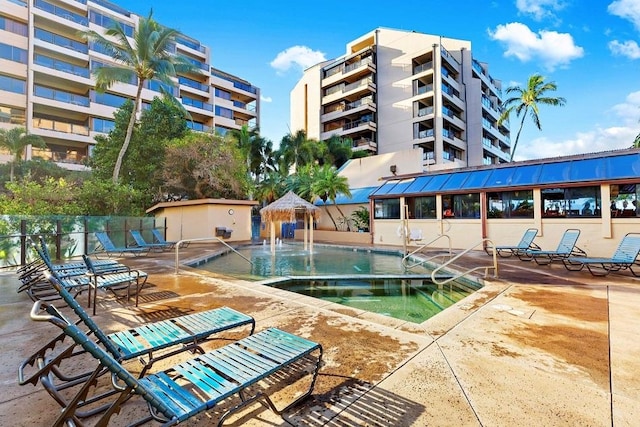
(396, 90)
(597, 194)
(46, 84)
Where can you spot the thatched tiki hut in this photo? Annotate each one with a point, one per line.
(285, 209)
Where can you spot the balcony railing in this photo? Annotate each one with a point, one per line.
(427, 133)
(197, 104)
(59, 126)
(422, 67)
(192, 83)
(358, 84)
(358, 103)
(61, 12)
(425, 111)
(356, 65)
(58, 65)
(424, 89)
(62, 96)
(60, 41)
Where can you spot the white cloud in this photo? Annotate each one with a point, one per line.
(551, 48)
(626, 9)
(301, 57)
(539, 9)
(629, 48)
(265, 98)
(613, 137)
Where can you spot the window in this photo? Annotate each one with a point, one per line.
(103, 125)
(624, 200)
(109, 99)
(422, 207)
(387, 209)
(11, 84)
(13, 53)
(466, 205)
(224, 112)
(108, 22)
(571, 202)
(223, 94)
(12, 115)
(510, 204)
(13, 26)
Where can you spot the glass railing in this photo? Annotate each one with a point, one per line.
(192, 83)
(67, 156)
(11, 84)
(60, 95)
(424, 89)
(356, 65)
(103, 125)
(61, 41)
(19, 2)
(61, 12)
(59, 126)
(427, 133)
(199, 64)
(112, 7)
(199, 127)
(197, 104)
(110, 99)
(108, 22)
(13, 53)
(192, 44)
(357, 84)
(13, 26)
(425, 111)
(56, 64)
(422, 67)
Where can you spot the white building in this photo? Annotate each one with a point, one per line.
(396, 90)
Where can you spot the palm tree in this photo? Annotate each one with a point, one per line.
(149, 57)
(527, 100)
(296, 150)
(327, 184)
(15, 141)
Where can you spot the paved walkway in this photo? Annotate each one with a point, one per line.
(539, 346)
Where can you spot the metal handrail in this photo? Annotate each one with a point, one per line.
(405, 259)
(486, 268)
(202, 239)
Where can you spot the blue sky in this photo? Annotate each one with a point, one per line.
(589, 49)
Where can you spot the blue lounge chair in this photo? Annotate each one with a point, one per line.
(149, 342)
(105, 245)
(566, 248)
(526, 243)
(159, 238)
(192, 387)
(625, 257)
(139, 242)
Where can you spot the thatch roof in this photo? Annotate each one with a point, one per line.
(285, 208)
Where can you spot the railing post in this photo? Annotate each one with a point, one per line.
(86, 236)
(58, 239)
(23, 242)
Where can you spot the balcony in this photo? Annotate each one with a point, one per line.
(61, 96)
(193, 84)
(61, 12)
(59, 126)
(56, 64)
(422, 67)
(197, 104)
(424, 111)
(420, 90)
(61, 41)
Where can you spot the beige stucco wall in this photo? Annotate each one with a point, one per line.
(369, 171)
(198, 219)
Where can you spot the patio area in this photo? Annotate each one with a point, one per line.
(538, 346)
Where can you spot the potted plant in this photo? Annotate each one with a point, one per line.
(360, 218)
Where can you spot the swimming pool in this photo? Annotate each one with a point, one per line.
(413, 300)
(366, 279)
(293, 260)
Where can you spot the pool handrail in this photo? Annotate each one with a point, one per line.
(494, 266)
(203, 239)
(405, 259)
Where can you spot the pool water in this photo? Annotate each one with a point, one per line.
(370, 280)
(413, 300)
(293, 260)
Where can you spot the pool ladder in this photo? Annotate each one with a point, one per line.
(407, 258)
(486, 268)
(203, 239)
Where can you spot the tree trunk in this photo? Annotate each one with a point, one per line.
(330, 216)
(127, 138)
(515, 144)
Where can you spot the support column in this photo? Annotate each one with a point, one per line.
(272, 232)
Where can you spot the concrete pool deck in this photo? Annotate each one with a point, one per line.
(538, 346)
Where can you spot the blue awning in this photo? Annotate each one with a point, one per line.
(358, 196)
(609, 166)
